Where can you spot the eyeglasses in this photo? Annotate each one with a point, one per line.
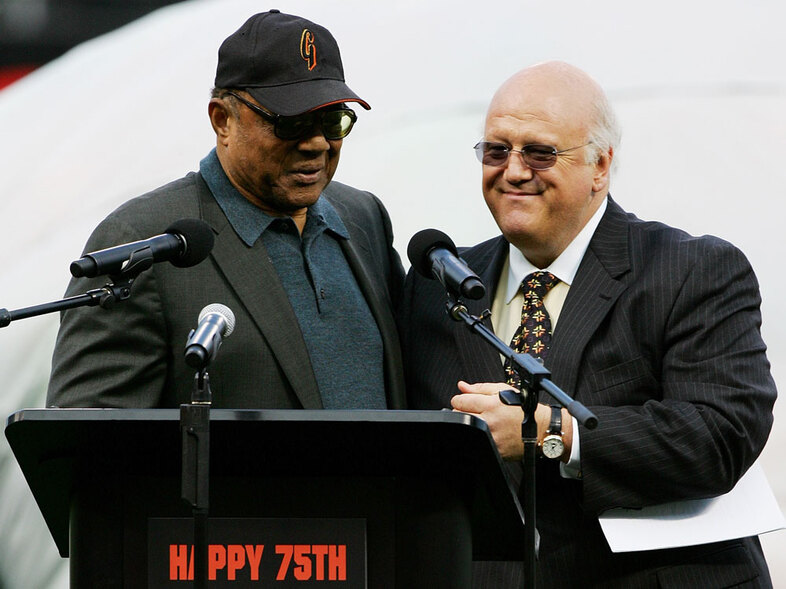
(335, 123)
(536, 156)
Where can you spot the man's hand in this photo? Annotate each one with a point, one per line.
(504, 421)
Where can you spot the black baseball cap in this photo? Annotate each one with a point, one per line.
(290, 65)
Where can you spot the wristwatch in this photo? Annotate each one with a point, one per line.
(552, 445)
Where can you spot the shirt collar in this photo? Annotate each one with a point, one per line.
(248, 220)
(564, 267)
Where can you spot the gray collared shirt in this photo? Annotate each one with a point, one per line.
(341, 336)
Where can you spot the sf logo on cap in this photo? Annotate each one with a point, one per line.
(307, 49)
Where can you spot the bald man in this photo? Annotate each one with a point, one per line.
(655, 331)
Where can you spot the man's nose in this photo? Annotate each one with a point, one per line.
(516, 170)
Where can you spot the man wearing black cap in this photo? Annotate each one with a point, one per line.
(306, 264)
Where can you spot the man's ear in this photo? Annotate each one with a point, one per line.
(600, 180)
(220, 117)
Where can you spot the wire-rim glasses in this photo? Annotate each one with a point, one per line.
(535, 155)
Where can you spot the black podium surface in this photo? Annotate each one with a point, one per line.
(100, 476)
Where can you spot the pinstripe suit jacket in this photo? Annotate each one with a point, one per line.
(659, 337)
(132, 355)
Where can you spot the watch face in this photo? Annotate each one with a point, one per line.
(553, 446)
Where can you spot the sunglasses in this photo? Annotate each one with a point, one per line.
(335, 123)
(536, 156)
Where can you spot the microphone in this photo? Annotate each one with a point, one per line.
(433, 254)
(216, 321)
(185, 243)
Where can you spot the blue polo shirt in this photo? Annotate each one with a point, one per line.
(341, 336)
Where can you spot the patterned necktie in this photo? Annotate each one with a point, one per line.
(533, 336)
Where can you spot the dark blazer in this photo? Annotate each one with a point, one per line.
(659, 337)
(132, 354)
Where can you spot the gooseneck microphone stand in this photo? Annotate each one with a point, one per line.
(534, 378)
(195, 481)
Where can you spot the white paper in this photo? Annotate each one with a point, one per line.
(749, 509)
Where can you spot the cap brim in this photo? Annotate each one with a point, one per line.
(295, 99)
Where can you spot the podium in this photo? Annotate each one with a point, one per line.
(297, 498)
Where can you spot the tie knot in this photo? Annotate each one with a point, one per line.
(537, 284)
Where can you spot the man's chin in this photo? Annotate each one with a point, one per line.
(516, 225)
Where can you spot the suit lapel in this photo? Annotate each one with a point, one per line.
(599, 282)
(358, 255)
(480, 360)
(252, 276)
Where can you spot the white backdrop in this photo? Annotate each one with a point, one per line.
(699, 87)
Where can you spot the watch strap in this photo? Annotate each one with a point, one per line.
(555, 426)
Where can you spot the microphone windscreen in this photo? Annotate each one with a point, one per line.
(199, 241)
(222, 310)
(422, 243)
